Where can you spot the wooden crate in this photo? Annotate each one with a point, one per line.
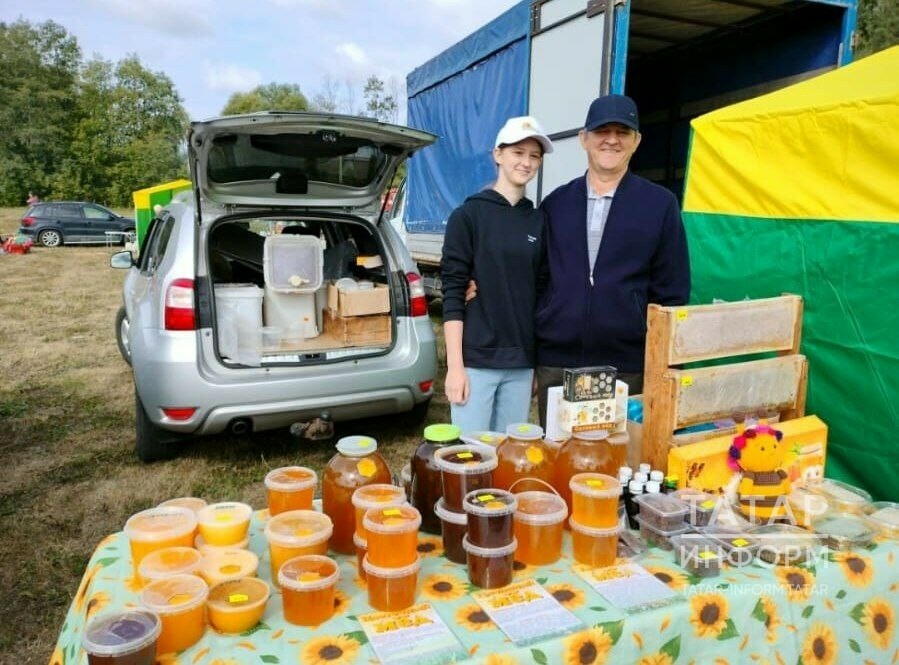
(368, 330)
(674, 397)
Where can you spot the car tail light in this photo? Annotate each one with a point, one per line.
(425, 386)
(179, 305)
(179, 412)
(27, 221)
(418, 304)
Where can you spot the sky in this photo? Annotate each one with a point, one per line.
(211, 49)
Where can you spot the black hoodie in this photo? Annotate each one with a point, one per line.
(500, 246)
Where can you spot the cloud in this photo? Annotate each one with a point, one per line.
(223, 77)
(354, 53)
(174, 18)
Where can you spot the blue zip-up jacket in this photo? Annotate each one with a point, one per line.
(586, 319)
(500, 246)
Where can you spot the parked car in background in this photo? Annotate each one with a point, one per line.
(281, 196)
(55, 223)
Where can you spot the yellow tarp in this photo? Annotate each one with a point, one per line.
(826, 148)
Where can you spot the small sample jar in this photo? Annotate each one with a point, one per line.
(180, 602)
(168, 562)
(224, 523)
(539, 523)
(378, 495)
(193, 503)
(464, 468)
(489, 567)
(158, 528)
(592, 546)
(392, 535)
(391, 589)
(295, 533)
(235, 606)
(221, 565)
(128, 637)
(490, 513)
(290, 488)
(307, 589)
(453, 527)
(594, 499)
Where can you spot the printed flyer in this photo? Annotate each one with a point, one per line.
(629, 587)
(526, 612)
(415, 635)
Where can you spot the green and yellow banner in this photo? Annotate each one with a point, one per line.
(797, 191)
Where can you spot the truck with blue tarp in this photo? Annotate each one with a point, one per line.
(678, 59)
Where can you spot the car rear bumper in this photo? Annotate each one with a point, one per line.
(273, 397)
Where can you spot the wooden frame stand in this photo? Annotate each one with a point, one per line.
(675, 397)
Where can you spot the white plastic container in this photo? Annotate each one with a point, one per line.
(294, 313)
(238, 319)
(292, 266)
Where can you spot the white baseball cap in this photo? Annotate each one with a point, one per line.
(521, 128)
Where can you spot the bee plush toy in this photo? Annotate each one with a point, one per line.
(758, 453)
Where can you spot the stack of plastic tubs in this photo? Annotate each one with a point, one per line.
(292, 266)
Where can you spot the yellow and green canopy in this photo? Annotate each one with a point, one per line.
(798, 191)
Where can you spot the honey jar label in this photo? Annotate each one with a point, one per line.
(223, 517)
(238, 598)
(708, 555)
(464, 456)
(366, 468)
(230, 569)
(534, 455)
(484, 498)
(740, 542)
(392, 512)
(595, 482)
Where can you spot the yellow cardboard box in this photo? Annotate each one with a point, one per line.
(703, 465)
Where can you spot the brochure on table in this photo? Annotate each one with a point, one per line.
(415, 635)
(629, 586)
(526, 612)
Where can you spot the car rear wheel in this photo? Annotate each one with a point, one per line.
(153, 443)
(122, 324)
(50, 238)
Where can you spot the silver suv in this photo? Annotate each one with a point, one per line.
(273, 293)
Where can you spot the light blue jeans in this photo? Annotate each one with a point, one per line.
(497, 398)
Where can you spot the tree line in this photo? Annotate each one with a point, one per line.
(98, 130)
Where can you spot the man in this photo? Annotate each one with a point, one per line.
(615, 242)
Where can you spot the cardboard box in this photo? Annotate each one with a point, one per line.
(369, 330)
(703, 465)
(359, 303)
(589, 383)
(564, 417)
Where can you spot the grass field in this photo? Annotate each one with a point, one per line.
(67, 438)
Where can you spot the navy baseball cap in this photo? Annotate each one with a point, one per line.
(612, 108)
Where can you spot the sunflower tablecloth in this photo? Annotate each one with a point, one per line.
(840, 607)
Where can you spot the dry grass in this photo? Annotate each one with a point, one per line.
(67, 434)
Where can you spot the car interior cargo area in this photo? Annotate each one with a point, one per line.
(298, 290)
